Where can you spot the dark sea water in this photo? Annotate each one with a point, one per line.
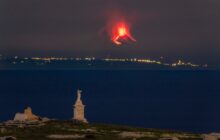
(179, 100)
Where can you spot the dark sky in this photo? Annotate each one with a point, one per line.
(186, 29)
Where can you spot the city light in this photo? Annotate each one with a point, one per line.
(47, 60)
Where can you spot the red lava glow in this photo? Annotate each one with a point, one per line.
(121, 32)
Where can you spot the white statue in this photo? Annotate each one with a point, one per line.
(79, 109)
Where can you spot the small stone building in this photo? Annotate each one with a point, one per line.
(20, 117)
(26, 116)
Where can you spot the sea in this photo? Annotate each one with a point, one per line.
(182, 100)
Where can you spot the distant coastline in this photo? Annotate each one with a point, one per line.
(62, 63)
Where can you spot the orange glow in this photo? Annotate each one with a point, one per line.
(121, 31)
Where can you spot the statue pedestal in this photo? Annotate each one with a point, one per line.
(78, 109)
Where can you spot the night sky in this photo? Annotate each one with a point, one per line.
(183, 29)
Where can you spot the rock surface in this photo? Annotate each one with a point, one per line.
(211, 136)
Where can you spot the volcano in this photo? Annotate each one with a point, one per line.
(121, 33)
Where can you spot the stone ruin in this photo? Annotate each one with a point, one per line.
(26, 116)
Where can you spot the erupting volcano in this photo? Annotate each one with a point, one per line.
(121, 33)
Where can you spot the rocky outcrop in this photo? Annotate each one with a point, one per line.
(58, 136)
(8, 138)
(126, 134)
(169, 138)
(211, 136)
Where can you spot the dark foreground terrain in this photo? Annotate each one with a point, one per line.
(68, 130)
